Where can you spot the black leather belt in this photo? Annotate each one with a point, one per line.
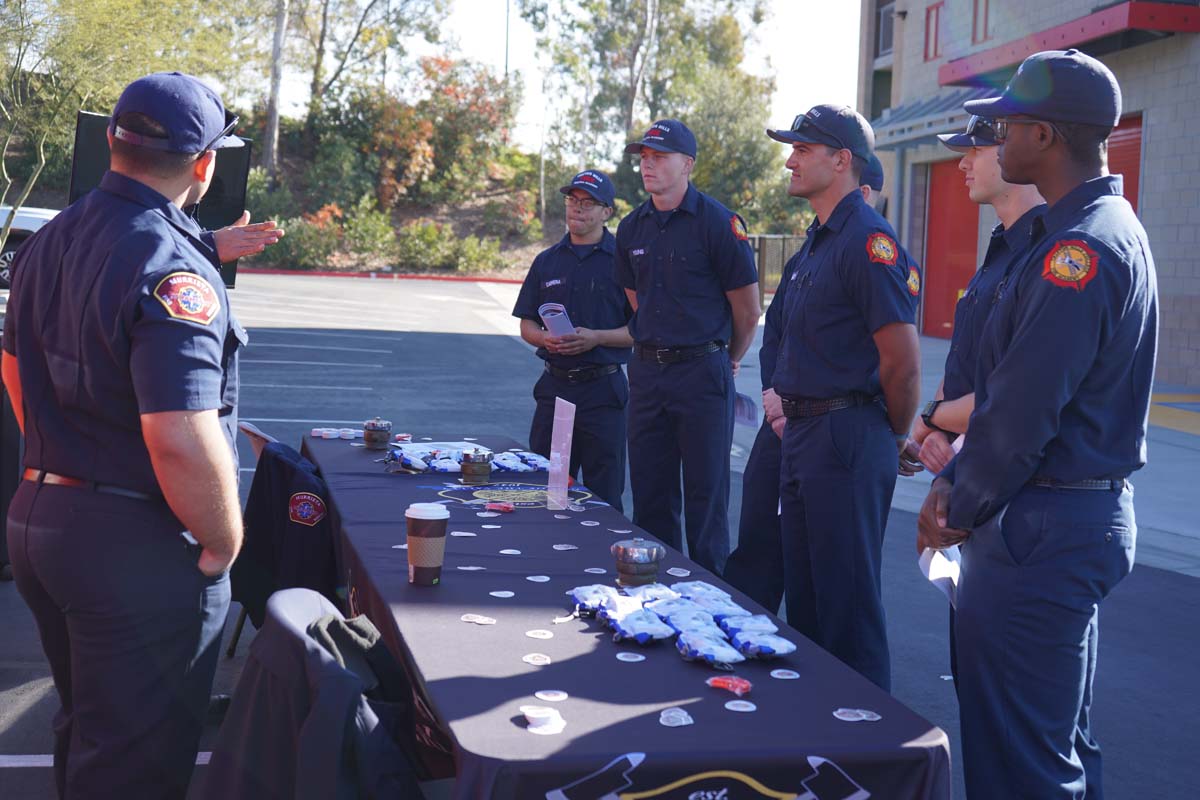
(795, 407)
(1114, 485)
(41, 476)
(581, 374)
(673, 355)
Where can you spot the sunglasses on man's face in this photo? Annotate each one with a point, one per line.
(231, 121)
(1002, 123)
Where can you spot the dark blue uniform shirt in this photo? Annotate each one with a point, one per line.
(768, 353)
(117, 311)
(584, 285)
(681, 270)
(971, 312)
(1067, 360)
(850, 279)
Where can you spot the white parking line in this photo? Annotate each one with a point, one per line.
(310, 363)
(258, 330)
(319, 347)
(46, 760)
(306, 386)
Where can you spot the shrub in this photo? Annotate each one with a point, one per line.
(479, 255)
(427, 246)
(369, 233)
(513, 217)
(309, 242)
(265, 203)
(340, 172)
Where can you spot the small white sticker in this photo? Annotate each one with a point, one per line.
(594, 571)
(539, 634)
(472, 568)
(630, 658)
(487, 513)
(565, 547)
(551, 695)
(744, 706)
(591, 523)
(679, 572)
(503, 593)
(785, 674)
(538, 578)
(537, 659)
(490, 527)
(462, 533)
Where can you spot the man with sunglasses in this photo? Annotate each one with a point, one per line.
(120, 356)
(686, 265)
(583, 367)
(848, 377)
(1038, 495)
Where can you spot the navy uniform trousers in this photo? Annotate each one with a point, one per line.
(130, 626)
(598, 444)
(756, 566)
(1027, 631)
(682, 414)
(836, 481)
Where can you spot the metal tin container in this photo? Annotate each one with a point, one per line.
(476, 467)
(376, 433)
(637, 561)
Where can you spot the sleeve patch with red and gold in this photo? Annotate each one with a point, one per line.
(882, 249)
(306, 508)
(914, 281)
(1071, 264)
(739, 227)
(186, 295)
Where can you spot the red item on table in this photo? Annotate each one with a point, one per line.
(732, 683)
(505, 507)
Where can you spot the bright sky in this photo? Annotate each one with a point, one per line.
(811, 47)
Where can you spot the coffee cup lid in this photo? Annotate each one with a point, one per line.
(427, 511)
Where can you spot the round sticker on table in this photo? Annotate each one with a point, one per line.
(785, 674)
(619, 530)
(537, 659)
(741, 705)
(849, 715)
(630, 657)
(869, 716)
(561, 516)
(462, 533)
(471, 568)
(470, 617)
(502, 593)
(591, 523)
(575, 507)
(399, 547)
(551, 695)
(565, 547)
(539, 634)
(679, 572)
(538, 578)
(594, 571)
(510, 552)
(470, 439)
(487, 513)
(490, 527)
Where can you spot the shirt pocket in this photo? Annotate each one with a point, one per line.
(236, 338)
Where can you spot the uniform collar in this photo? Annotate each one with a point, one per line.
(138, 192)
(607, 243)
(842, 211)
(1067, 208)
(690, 203)
(1017, 236)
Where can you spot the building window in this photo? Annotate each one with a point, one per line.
(885, 21)
(933, 31)
(981, 29)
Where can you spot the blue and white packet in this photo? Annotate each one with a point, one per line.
(651, 592)
(720, 608)
(694, 590)
(717, 653)
(759, 623)
(614, 609)
(589, 598)
(445, 465)
(762, 645)
(693, 620)
(666, 607)
(538, 462)
(641, 626)
(508, 462)
(413, 463)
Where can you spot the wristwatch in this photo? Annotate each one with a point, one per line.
(927, 415)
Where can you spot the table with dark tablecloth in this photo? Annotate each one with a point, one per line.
(473, 680)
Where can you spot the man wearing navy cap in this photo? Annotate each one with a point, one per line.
(120, 355)
(756, 566)
(686, 265)
(1039, 494)
(583, 367)
(848, 376)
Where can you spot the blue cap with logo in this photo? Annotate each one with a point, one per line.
(666, 136)
(839, 127)
(873, 174)
(595, 183)
(980, 132)
(192, 114)
(1057, 86)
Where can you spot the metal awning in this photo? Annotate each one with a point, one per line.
(940, 113)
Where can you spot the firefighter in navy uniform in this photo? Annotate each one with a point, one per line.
(1039, 495)
(583, 368)
(686, 264)
(848, 375)
(120, 355)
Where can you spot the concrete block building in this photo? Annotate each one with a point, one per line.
(921, 59)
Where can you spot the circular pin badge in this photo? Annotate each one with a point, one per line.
(490, 527)
(539, 634)
(785, 674)
(504, 593)
(565, 547)
(463, 533)
(487, 513)
(471, 568)
(744, 706)
(591, 523)
(594, 571)
(630, 658)
(679, 572)
(538, 578)
(510, 552)
(562, 516)
(399, 547)
(849, 715)
(537, 659)
(551, 695)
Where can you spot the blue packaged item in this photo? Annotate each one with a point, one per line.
(762, 645)
(759, 623)
(668, 606)
(588, 598)
(413, 463)
(715, 652)
(693, 590)
(615, 608)
(720, 608)
(641, 626)
(537, 462)
(651, 592)
(508, 462)
(695, 619)
(444, 465)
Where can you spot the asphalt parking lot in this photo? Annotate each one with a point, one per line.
(443, 356)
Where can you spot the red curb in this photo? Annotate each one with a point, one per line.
(383, 276)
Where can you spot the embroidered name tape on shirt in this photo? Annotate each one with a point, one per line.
(1071, 263)
(555, 282)
(881, 249)
(188, 296)
(306, 508)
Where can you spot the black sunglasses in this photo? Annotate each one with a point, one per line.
(803, 121)
(231, 121)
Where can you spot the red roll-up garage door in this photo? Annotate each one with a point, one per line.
(1125, 155)
(951, 242)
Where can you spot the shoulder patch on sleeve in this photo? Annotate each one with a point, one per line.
(186, 295)
(1070, 263)
(914, 281)
(738, 225)
(306, 508)
(882, 249)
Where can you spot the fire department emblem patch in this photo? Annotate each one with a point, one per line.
(914, 281)
(1071, 263)
(881, 249)
(739, 227)
(306, 508)
(188, 296)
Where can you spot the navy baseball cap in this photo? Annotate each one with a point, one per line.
(873, 175)
(595, 183)
(666, 136)
(1057, 86)
(192, 113)
(839, 127)
(980, 132)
